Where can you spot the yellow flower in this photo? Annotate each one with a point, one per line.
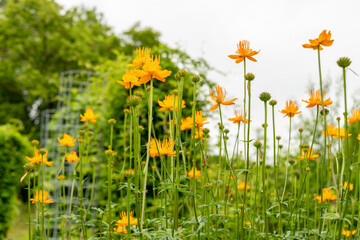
(199, 132)
(88, 116)
(248, 224)
(168, 103)
(38, 158)
(348, 186)
(307, 156)
(220, 98)
(197, 173)
(355, 116)
(41, 196)
(61, 177)
(142, 56)
(347, 233)
(239, 117)
(72, 157)
(130, 79)
(327, 195)
(124, 222)
(322, 40)
(315, 100)
(67, 141)
(290, 109)
(244, 51)
(152, 69)
(241, 186)
(342, 133)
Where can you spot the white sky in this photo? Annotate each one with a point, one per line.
(211, 29)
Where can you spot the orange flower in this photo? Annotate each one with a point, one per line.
(38, 158)
(322, 40)
(327, 195)
(88, 116)
(186, 123)
(124, 222)
(142, 56)
(244, 51)
(41, 196)
(168, 103)
(315, 100)
(306, 155)
(239, 117)
(152, 69)
(290, 109)
(197, 173)
(199, 119)
(241, 186)
(130, 79)
(72, 157)
(220, 99)
(331, 131)
(67, 141)
(165, 148)
(342, 133)
(355, 116)
(199, 132)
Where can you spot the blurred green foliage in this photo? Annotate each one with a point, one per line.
(13, 149)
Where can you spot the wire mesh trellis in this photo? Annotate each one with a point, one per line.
(73, 99)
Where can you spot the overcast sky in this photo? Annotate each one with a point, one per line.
(211, 29)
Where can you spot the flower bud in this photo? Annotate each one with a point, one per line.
(265, 96)
(278, 137)
(90, 134)
(126, 111)
(338, 118)
(226, 131)
(249, 76)
(85, 126)
(343, 62)
(108, 153)
(42, 151)
(175, 92)
(280, 146)
(133, 100)
(81, 133)
(305, 145)
(141, 128)
(206, 131)
(112, 121)
(208, 186)
(273, 102)
(292, 161)
(139, 93)
(307, 169)
(221, 127)
(180, 74)
(326, 112)
(264, 125)
(129, 173)
(195, 78)
(35, 142)
(257, 144)
(95, 161)
(301, 130)
(226, 138)
(29, 167)
(80, 140)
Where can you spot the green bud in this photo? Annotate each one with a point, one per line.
(273, 102)
(195, 78)
(257, 144)
(112, 121)
(343, 62)
(265, 96)
(133, 100)
(35, 142)
(180, 74)
(249, 76)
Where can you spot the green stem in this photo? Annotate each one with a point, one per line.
(109, 158)
(29, 206)
(263, 176)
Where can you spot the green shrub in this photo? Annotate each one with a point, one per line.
(13, 149)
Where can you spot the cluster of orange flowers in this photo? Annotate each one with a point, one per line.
(144, 68)
(334, 132)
